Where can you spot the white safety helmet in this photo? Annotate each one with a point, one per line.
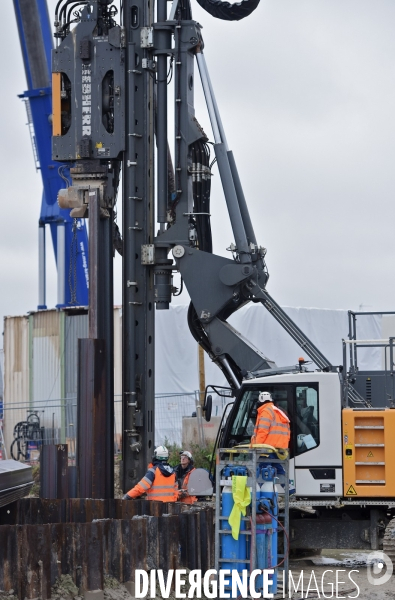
(187, 454)
(265, 397)
(161, 453)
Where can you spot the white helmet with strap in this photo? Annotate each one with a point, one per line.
(161, 453)
(265, 397)
(187, 454)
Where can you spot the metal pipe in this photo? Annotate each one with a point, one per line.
(209, 99)
(202, 59)
(350, 335)
(61, 261)
(173, 10)
(245, 215)
(163, 42)
(293, 330)
(237, 207)
(236, 179)
(41, 267)
(344, 375)
(366, 342)
(227, 366)
(372, 312)
(355, 347)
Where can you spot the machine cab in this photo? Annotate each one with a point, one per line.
(311, 401)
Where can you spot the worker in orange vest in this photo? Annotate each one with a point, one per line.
(272, 424)
(183, 471)
(159, 482)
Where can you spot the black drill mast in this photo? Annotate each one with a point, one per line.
(110, 113)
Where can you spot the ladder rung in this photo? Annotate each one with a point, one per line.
(229, 531)
(369, 445)
(222, 518)
(369, 427)
(370, 463)
(234, 560)
(372, 481)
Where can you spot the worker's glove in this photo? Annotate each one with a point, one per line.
(183, 494)
(126, 497)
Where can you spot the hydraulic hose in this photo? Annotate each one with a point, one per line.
(227, 11)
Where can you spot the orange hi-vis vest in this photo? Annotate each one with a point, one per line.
(157, 486)
(187, 499)
(271, 427)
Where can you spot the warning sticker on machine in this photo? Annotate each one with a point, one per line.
(370, 454)
(327, 487)
(351, 491)
(349, 450)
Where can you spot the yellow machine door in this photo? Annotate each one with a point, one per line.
(368, 452)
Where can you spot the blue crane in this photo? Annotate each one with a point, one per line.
(69, 236)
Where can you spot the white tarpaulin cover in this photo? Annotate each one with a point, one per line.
(177, 355)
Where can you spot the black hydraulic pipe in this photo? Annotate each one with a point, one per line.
(63, 10)
(227, 11)
(68, 18)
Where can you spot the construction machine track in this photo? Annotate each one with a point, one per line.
(389, 540)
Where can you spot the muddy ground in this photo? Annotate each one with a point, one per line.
(341, 574)
(319, 581)
(334, 574)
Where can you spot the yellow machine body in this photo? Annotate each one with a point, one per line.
(368, 453)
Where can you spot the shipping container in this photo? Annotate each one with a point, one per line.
(41, 372)
(16, 374)
(46, 360)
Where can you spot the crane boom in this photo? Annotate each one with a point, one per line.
(69, 236)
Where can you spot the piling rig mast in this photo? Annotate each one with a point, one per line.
(110, 110)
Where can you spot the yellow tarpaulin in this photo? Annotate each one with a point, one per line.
(242, 498)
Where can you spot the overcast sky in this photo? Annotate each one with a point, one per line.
(306, 89)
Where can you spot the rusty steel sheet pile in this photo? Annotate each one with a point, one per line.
(41, 539)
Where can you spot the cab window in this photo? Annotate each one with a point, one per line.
(300, 404)
(244, 423)
(306, 419)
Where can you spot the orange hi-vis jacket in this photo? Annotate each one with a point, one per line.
(271, 427)
(159, 483)
(187, 499)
